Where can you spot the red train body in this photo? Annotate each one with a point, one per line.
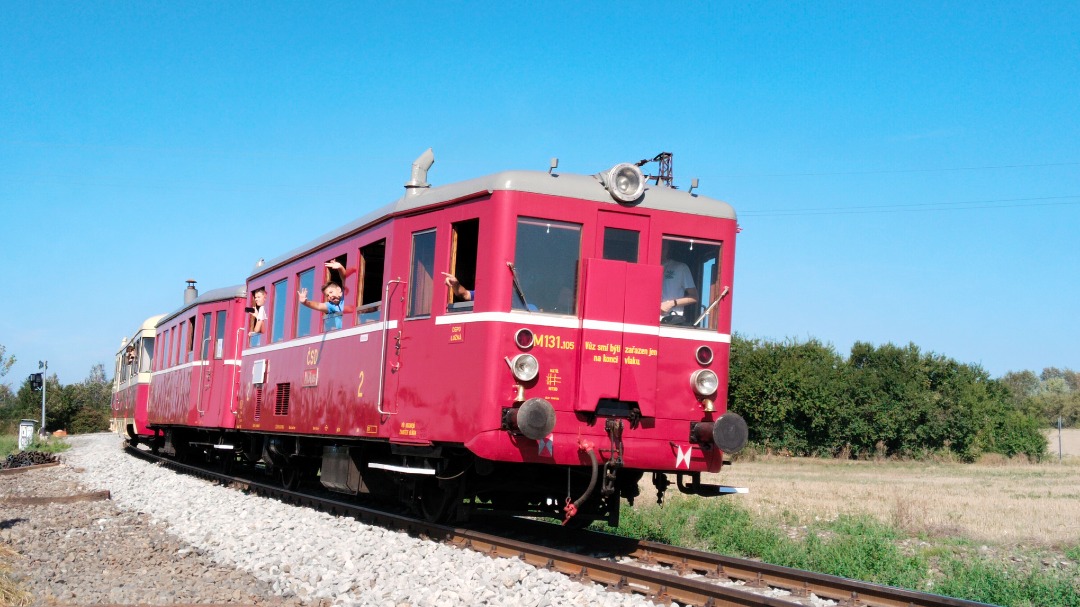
(557, 370)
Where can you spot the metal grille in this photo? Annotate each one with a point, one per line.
(258, 402)
(281, 403)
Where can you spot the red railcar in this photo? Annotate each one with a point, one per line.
(197, 366)
(561, 373)
(131, 382)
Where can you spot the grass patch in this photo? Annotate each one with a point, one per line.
(10, 444)
(853, 546)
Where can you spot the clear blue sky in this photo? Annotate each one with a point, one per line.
(903, 171)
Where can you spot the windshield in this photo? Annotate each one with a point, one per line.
(691, 278)
(546, 260)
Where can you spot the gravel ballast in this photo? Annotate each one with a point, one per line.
(167, 538)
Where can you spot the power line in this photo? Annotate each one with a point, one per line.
(901, 171)
(1002, 203)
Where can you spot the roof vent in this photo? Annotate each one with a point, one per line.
(420, 168)
(190, 293)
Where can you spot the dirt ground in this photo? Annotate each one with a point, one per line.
(995, 501)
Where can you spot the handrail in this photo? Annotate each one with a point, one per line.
(236, 369)
(382, 349)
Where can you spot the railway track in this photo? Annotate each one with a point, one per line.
(660, 572)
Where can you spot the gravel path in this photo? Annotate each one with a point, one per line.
(166, 538)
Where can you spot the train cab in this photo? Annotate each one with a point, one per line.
(516, 341)
(131, 382)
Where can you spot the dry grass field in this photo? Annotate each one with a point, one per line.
(1008, 503)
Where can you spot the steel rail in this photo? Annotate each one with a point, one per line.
(661, 586)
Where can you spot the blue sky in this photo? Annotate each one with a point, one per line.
(903, 171)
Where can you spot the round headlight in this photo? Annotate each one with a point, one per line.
(704, 382)
(625, 182)
(524, 367)
(524, 339)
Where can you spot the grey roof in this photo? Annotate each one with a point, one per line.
(585, 187)
(209, 296)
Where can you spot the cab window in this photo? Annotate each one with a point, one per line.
(691, 276)
(464, 239)
(369, 299)
(621, 245)
(546, 260)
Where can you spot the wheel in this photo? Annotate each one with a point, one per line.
(291, 477)
(439, 504)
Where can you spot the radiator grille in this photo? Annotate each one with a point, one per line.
(281, 403)
(258, 402)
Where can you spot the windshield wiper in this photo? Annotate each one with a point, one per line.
(711, 306)
(517, 286)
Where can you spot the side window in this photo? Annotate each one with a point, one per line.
(166, 363)
(147, 354)
(421, 271)
(277, 323)
(190, 346)
(691, 288)
(205, 348)
(181, 342)
(256, 317)
(303, 313)
(369, 299)
(464, 239)
(546, 260)
(621, 245)
(219, 336)
(337, 270)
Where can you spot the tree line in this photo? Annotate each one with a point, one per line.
(804, 398)
(798, 397)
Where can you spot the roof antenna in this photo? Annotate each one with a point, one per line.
(693, 185)
(554, 165)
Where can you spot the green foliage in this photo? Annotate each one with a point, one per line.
(857, 547)
(1053, 394)
(805, 399)
(8, 444)
(979, 580)
(5, 363)
(76, 408)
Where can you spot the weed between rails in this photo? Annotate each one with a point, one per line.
(857, 547)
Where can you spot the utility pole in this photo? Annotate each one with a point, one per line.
(45, 366)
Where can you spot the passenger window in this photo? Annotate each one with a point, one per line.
(546, 266)
(181, 342)
(166, 363)
(190, 346)
(337, 270)
(621, 245)
(464, 238)
(303, 313)
(422, 269)
(219, 337)
(147, 353)
(369, 299)
(205, 349)
(256, 317)
(691, 276)
(277, 324)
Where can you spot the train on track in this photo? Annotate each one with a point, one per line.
(529, 342)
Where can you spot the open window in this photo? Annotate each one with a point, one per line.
(464, 241)
(421, 271)
(336, 271)
(691, 276)
(256, 316)
(190, 345)
(546, 260)
(369, 299)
